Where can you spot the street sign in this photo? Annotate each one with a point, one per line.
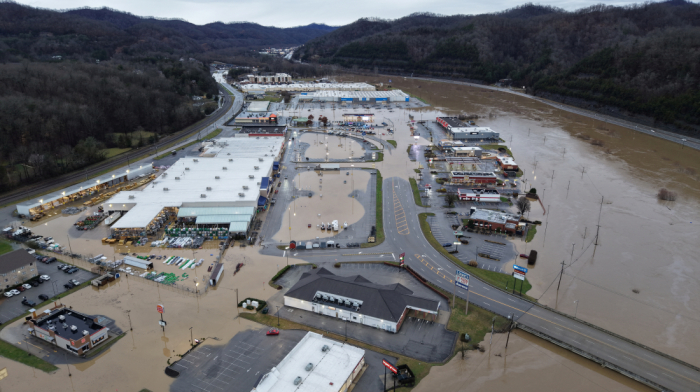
(518, 275)
(389, 366)
(519, 268)
(160, 308)
(462, 280)
(401, 258)
(162, 323)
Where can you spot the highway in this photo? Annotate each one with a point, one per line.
(214, 120)
(403, 234)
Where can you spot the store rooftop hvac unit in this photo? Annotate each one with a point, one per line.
(256, 167)
(260, 159)
(251, 176)
(132, 197)
(309, 366)
(203, 196)
(241, 194)
(225, 168)
(230, 160)
(258, 184)
(86, 333)
(61, 317)
(187, 168)
(73, 328)
(325, 348)
(177, 178)
(166, 189)
(195, 160)
(208, 188)
(217, 177)
(245, 186)
(297, 381)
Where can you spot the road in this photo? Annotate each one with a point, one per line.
(204, 126)
(403, 234)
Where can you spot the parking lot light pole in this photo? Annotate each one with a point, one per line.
(278, 316)
(191, 338)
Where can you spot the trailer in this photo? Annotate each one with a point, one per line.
(336, 226)
(216, 274)
(138, 263)
(309, 245)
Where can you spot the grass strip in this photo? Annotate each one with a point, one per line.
(531, 231)
(212, 134)
(392, 142)
(9, 351)
(416, 192)
(496, 147)
(491, 277)
(5, 247)
(379, 237)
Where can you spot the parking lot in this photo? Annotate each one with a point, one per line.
(13, 307)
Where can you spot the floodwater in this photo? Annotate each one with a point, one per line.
(138, 360)
(529, 364)
(641, 280)
(335, 146)
(331, 200)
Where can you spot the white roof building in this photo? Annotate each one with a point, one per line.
(333, 367)
(308, 87)
(231, 177)
(362, 96)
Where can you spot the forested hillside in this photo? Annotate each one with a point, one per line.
(75, 84)
(643, 59)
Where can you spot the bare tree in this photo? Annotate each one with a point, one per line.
(665, 194)
(523, 205)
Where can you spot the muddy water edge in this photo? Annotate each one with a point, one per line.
(641, 280)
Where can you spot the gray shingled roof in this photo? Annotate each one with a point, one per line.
(386, 302)
(15, 259)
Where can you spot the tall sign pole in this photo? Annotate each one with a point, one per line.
(462, 281)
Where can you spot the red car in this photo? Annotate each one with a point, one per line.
(273, 331)
(524, 256)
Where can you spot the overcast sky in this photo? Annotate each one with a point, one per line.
(287, 13)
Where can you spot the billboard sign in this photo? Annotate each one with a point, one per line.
(389, 366)
(519, 268)
(518, 275)
(462, 280)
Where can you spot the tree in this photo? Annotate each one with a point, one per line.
(311, 117)
(324, 120)
(533, 190)
(309, 123)
(451, 198)
(523, 205)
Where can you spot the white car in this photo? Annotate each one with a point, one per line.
(8, 294)
(14, 292)
(27, 286)
(45, 277)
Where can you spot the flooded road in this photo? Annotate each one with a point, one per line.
(642, 281)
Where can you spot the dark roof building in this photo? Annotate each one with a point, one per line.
(355, 298)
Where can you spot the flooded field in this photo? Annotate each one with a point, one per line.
(529, 364)
(139, 359)
(330, 201)
(335, 146)
(641, 280)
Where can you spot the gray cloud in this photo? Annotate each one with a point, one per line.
(282, 13)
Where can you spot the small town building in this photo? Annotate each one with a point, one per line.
(507, 163)
(270, 78)
(492, 220)
(315, 364)
(258, 106)
(467, 151)
(263, 130)
(358, 118)
(483, 195)
(358, 300)
(340, 96)
(72, 331)
(466, 177)
(17, 267)
(458, 130)
(255, 118)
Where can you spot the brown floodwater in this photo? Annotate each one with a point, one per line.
(641, 280)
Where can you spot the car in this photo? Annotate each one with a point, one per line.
(69, 285)
(14, 292)
(45, 277)
(75, 282)
(27, 286)
(72, 270)
(8, 294)
(61, 266)
(524, 256)
(34, 283)
(28, 302)
(273, 332)
(50, 260)
(447, 245)
(43, 297)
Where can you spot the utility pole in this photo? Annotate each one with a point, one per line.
(545, 232)
(567, 189)
(560, 275)
(552, 182)
(583, 170)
